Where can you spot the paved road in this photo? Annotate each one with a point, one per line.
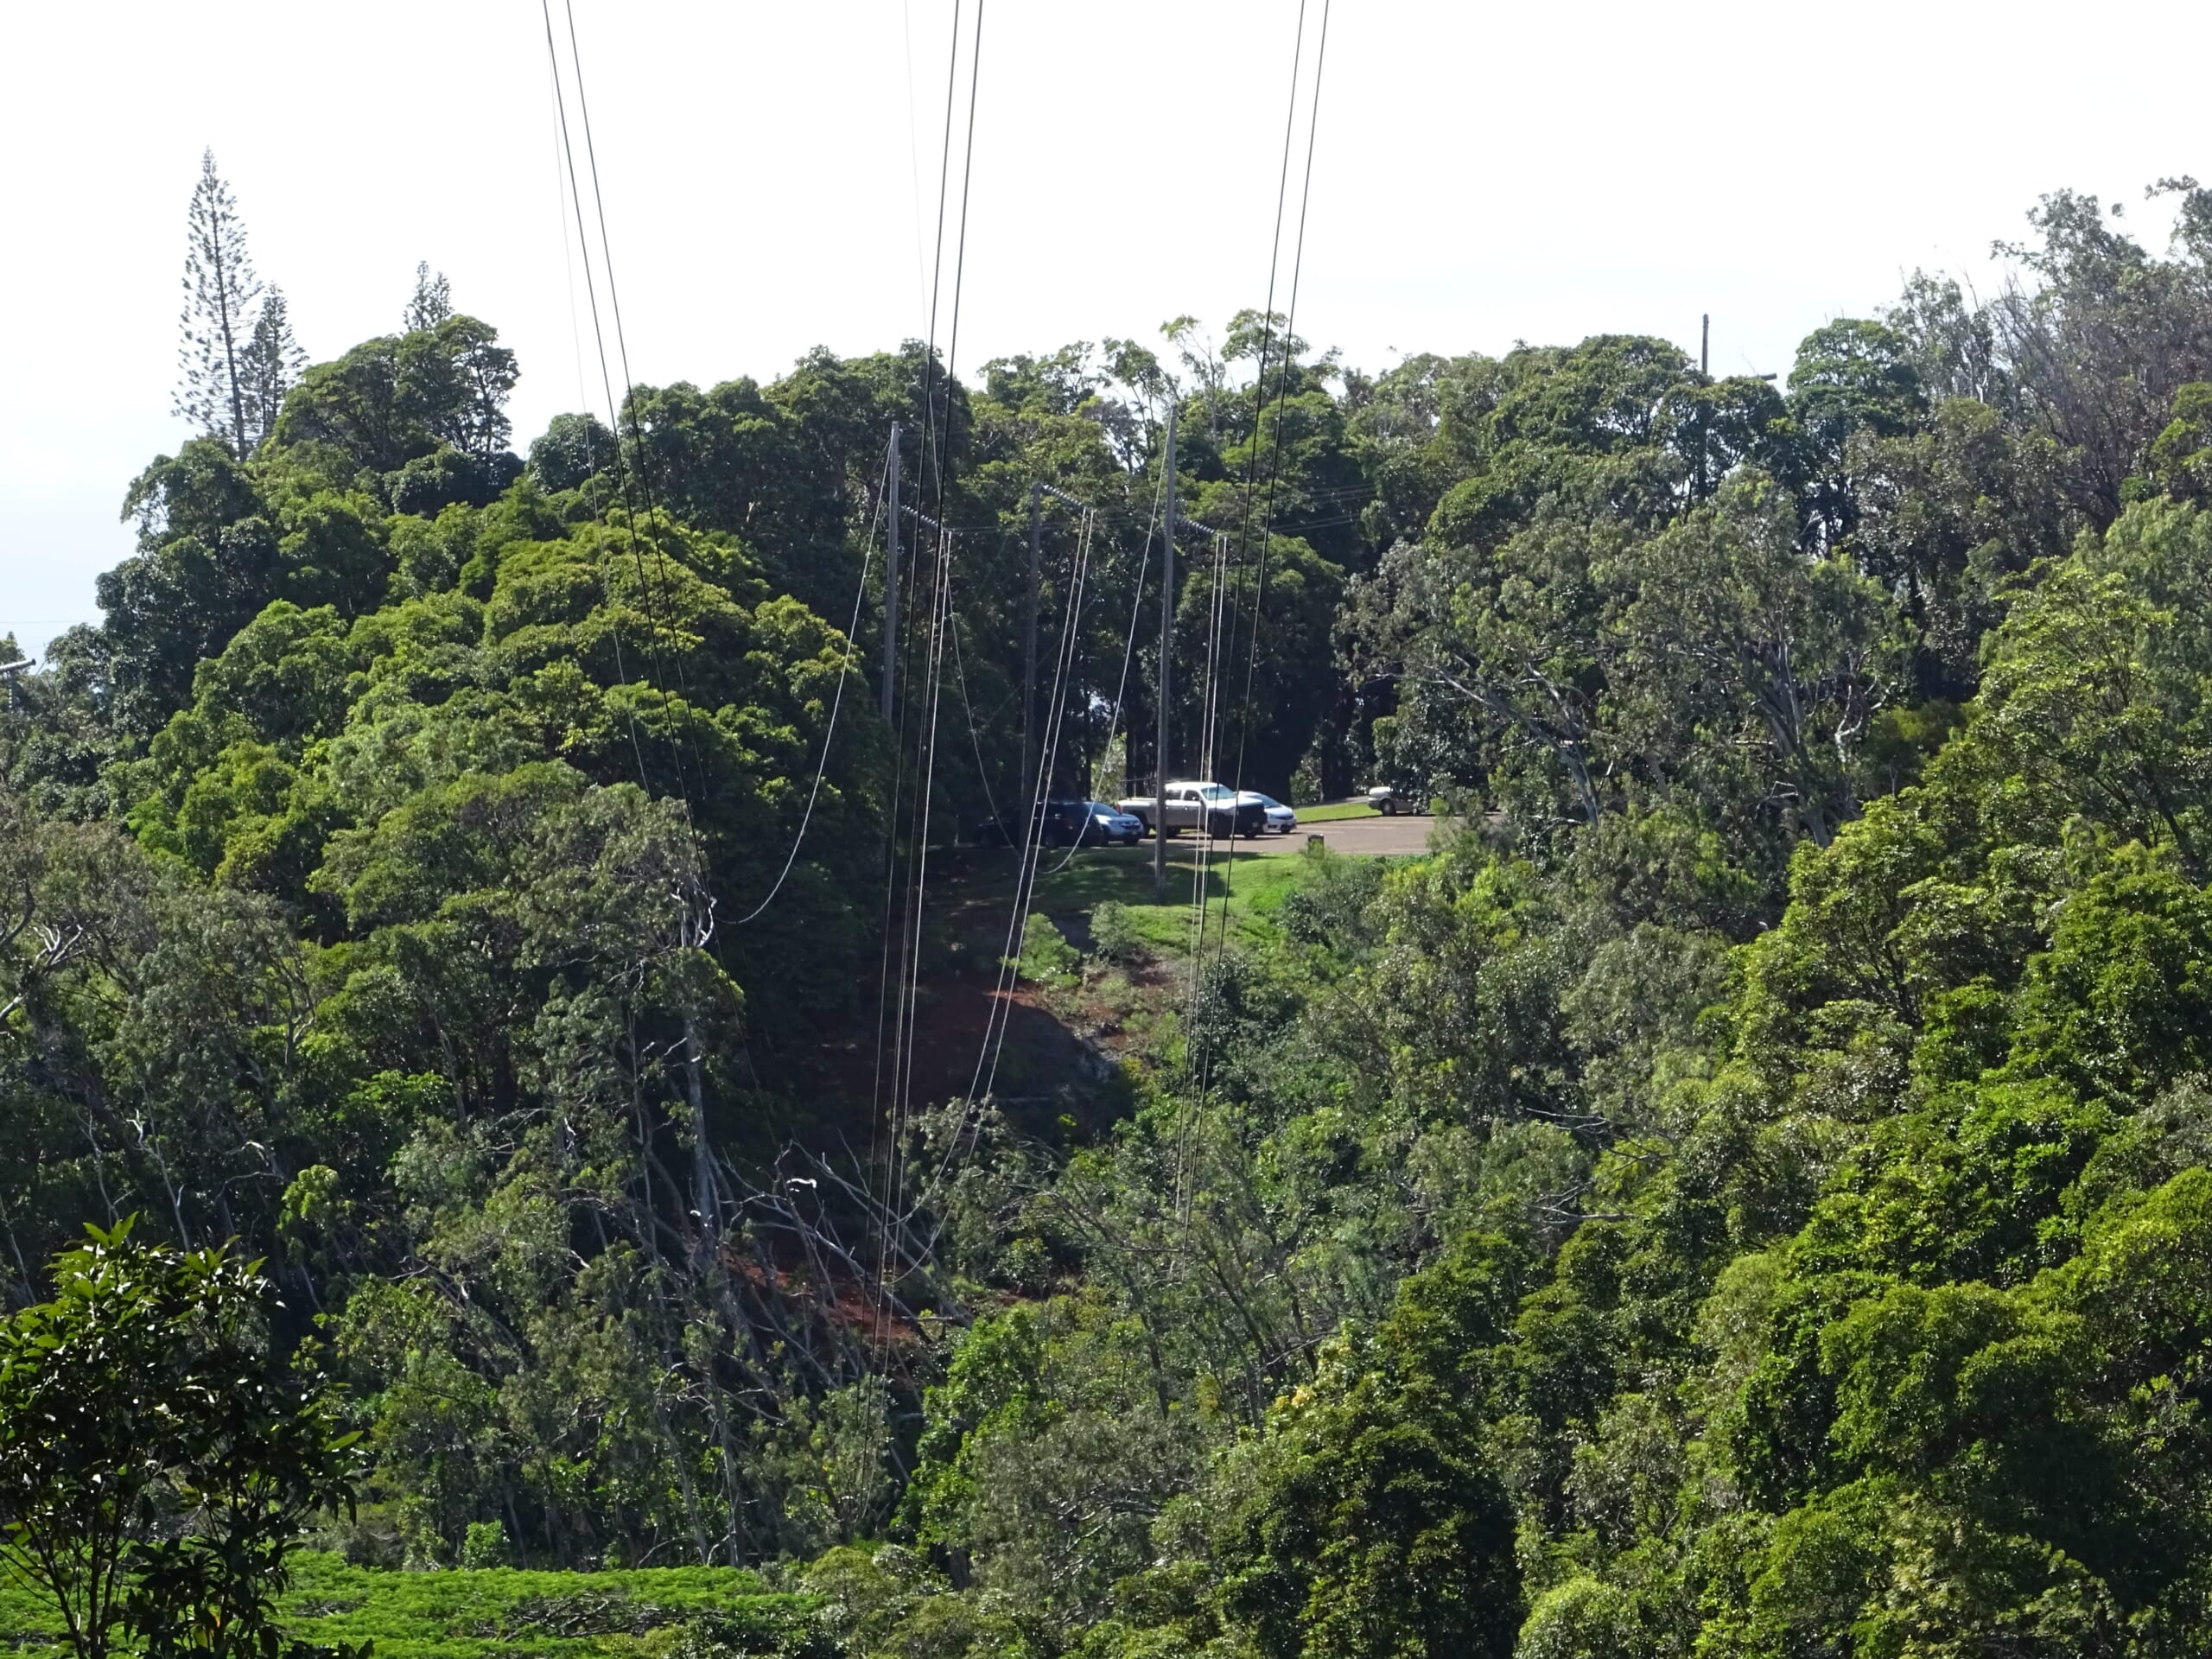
(1359, 837)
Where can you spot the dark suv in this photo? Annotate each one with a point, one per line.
(1065, 823)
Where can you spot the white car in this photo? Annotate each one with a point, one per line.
(1281, 818)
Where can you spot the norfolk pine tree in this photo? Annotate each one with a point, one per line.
(432, 302)
(219, 292)
(271, 363)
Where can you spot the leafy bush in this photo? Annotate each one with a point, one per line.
(1046, 957)
(1113, 936)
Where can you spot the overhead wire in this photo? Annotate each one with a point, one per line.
(1055, 723)
(1283, 396)
(1129, 646)
(591, 293)
(1209, 709)
(1266, 352)
(658, 682)
(975, 738)
(905, 1027)
(695, 919)
(942, 438)
(1032, 837)
(908, 987)
(830, 736)
(576, 338)
(896, 991)
(983, 1082)
(622, 337)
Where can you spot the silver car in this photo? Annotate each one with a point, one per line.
(1390, 801)
(1281, 818)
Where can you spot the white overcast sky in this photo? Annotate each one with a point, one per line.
(1484, 174)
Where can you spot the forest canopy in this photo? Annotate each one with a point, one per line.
(1746, 1190)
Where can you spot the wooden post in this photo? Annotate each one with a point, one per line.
(1166, 639)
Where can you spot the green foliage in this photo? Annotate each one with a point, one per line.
(461, 1613)
(1046, 957)
(1112, 935)
(1743, 1193)
(1368, 1521)
(157, 1462)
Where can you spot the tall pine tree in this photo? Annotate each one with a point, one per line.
(273, 361)
(433, 301)
(219, 292)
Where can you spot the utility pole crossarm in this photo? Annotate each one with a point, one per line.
(12, 672)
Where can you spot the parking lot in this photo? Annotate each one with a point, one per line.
(1355, 837)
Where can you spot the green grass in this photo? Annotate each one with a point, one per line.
(1332, 814)
(1253, 888)
(1254, 885)
(491, 1613)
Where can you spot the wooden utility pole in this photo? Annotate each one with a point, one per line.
(1705, 383)
(1167, 638)
(1029, 758)
(890, 581)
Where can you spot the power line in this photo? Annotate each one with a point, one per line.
(1032, 834)
(1283, 396)
(1072, 639)
(1128, 647)
(1274, 473)
(905, 1028)
(852, 639)
(591, 290)
(637, 431)
(999, 1006)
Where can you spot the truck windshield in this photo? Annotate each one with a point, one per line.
(1216, 792)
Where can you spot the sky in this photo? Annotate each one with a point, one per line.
(1481, 176)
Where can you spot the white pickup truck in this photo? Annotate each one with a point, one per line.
(1208, 809)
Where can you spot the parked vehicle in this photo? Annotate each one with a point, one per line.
(1203, 808)
(1108, 825)
(1067, 823)
(1281, 818)
(1390, 801)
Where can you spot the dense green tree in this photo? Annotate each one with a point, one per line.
(158, 1461)
(1738, 1194)
(399, 399)
(1369, 1522)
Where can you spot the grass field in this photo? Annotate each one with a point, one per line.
(1254, 885)
(1336, 812)
(493, 1613)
